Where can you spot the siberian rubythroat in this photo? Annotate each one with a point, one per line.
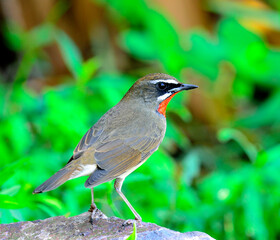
(123, 138)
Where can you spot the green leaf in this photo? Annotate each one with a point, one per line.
(8, 202)
(191, 167)
(139, 45)
(227, 134)
(48, 210)
(265, 114)
(11, 191)
(14, 36)
(88, 69)
(269, 157)
(70, 53)
(133, 235)
(253, 210)
(24, 68)
(41, 36)
(54, 202)
(8, 171)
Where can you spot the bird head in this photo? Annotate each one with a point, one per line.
(156, 90)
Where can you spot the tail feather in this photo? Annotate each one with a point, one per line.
(55, 181)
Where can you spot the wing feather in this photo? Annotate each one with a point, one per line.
(104, 175)
(88, 140)
(116, 157)
(143, 144)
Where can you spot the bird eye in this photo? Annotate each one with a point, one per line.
(161, 85)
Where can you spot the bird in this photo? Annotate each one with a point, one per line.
(123, 138)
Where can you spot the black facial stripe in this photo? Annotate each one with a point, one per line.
(169, 87)
(172, 85)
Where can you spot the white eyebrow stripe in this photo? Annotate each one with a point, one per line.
(165, 80)
(164, 96)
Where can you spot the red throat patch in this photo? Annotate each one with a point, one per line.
(162, 106)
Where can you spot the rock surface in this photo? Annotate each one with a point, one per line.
(80, 227)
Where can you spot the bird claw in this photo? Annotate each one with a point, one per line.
(131, 222)
(92, 207)
(97, 214)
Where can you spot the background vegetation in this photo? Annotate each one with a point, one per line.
(65, 63)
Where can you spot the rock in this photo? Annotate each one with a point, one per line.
(80, 227)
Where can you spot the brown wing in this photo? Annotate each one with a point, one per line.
(88, 140)
(116, 157)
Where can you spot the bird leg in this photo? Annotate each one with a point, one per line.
(92, 205)
(118, 187)
(95, 212)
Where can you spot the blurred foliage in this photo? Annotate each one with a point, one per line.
(217, 169)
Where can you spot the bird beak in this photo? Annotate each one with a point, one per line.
(183, 87)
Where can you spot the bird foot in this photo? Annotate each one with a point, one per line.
(92, 207)
(97, 214)
(131, 222)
